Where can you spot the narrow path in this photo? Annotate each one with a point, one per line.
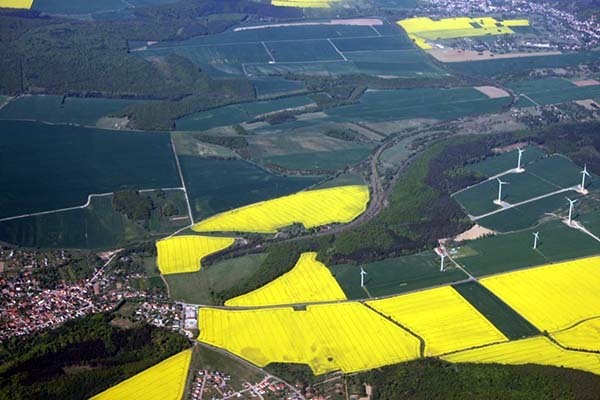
(187, 199)
(509, 206)
(268, 51)
(392, 320)
(87, 203)
(337, 50)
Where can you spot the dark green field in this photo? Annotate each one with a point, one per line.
(238, 113)
(321, 160)
(543, 176)
(502, 162)
(552, 91)
(90, 7)
(219, 185)
(47, 167)
(522, 64)
(511, 251)
(507, 320)
(74, 110)
(478, 200)
(387, 105)
(527, 215)
(395, 275)
(98, 226)
(197, 287)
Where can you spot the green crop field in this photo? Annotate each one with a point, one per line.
(98, 226)
(197, 287)
(543, 176)
(238, 113)
(373, 43)
(507, 320)
(409, 63)
(552, 91)
(559, 170)
(321, 160)
(387, 105)
(274, 86)
(506, 252)
(47, 167)
(522, 64)
(478, 200)
(306, 50)
(527, 215)
(306, 149)
(82, 111)
(503, 162)
(395, 275)
(67, 7)
(219, 185)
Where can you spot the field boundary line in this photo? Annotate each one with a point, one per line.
(268, 51)
(508, 207)
(255, 42)
(422, 342)
(575, 324)
(376, 31)
(87, 203)
(530, 99)
(187, 199)
(337, 50)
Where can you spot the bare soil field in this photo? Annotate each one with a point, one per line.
(475, 232)
(492, 92)
(586, 82)
(354, 21)
(452, 55)
(589, 104)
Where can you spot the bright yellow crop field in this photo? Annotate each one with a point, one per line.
(442, 317)
(16, 3)
(179, 254)
(346, 336)
(422, 29)
(164, 381)
(552, 297)
(585, 336)
(537, 350)
(308, 282)
(310, 208)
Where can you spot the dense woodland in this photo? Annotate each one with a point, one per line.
(434, 379)
(81, 358)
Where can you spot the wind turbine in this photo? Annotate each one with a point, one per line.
(521, 151)
(362, 277)
(443, 256)
(536, 238)
(500, 183)
(571, 203)
(584, 173)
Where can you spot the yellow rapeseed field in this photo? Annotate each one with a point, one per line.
(584, 336)
(537, 350)
(554, 296)
(164, 381)
(421, 29)
(309, 281)
(180, 254)
(310, 208)
(16, 3)
(442, 317)
(346, 336)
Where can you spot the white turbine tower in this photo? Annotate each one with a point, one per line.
(571, 203)
(500, 183)
(536, 238)
(442, 257)
(584, 173)
(519, 169)
(362, 277)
